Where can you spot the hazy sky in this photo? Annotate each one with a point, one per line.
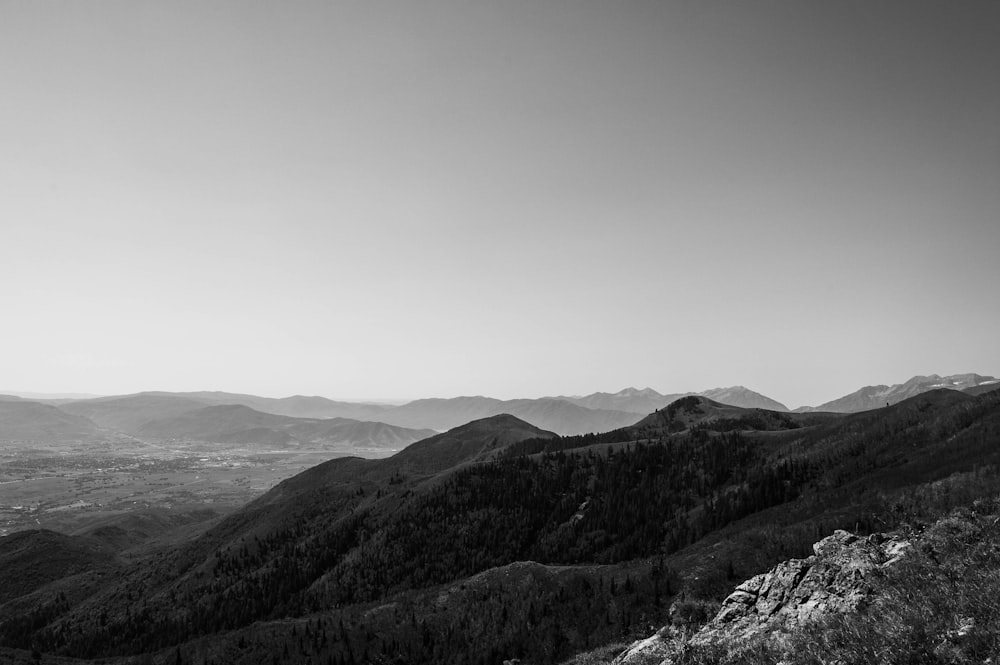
(435, 198)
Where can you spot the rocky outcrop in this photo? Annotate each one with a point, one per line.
(793, 593)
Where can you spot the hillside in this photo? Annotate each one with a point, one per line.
(632, 400)
(566, 418)
(473, 441)
(23, 420)
(32, 559)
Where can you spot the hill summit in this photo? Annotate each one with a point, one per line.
(467, 443)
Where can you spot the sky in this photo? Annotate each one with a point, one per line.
(369, 199)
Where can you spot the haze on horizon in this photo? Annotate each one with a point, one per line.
(517, 199)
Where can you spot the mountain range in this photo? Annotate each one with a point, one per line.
(874, 397)
(166, 415)
(500, 540)
(643, 401)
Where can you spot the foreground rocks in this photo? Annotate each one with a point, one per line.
(793, 593)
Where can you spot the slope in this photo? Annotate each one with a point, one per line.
(468, 443)
(31, 559)
(22, 420)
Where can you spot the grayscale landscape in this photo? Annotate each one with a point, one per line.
(647, 332)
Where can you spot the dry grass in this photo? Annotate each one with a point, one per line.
(941, 605)
(599, 656)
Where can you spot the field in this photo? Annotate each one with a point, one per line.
(67, 487)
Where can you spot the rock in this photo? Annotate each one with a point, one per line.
(793, 593)
(648, 650)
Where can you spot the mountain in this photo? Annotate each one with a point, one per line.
(297, 406)
(632, 400)
(196, 417)
(467, 443)
(132, 413)
(648, 400)
(129, 413)
(548, 413)
(22, 420)
(988, 386)
(121, 531)
(566, 416)
(358, 433)
(443, 413)
(744, 397)
(46, 398)
(235, 423)
(875, 397)
(498, 541)
(694, 412)
(471, 442)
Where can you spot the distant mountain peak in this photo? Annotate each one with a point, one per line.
(637, 392)
(499, 421)
(700, 411)
(874, 397)
(743, 397)
(465, 443)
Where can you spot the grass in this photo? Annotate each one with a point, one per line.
(940, 605)
(599, 656)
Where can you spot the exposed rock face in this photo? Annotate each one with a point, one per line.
(793, 593)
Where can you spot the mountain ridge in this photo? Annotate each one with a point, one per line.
(170, 416)
(874, 397)
(236, 423)
(647, 400)
(25, 420)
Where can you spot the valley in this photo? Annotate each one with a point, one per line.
(66, 487)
